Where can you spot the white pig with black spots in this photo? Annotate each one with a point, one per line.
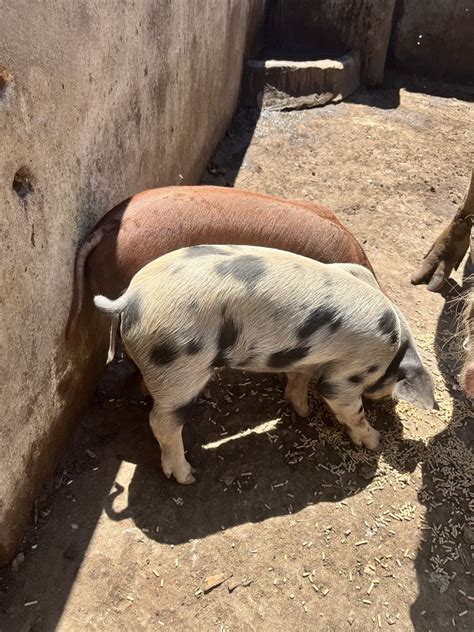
(264, 310)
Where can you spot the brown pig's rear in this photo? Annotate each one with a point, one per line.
(158, 221)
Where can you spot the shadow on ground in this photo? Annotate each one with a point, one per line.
(387, 96)
(264, 472)
(255, 459)
(444, 558)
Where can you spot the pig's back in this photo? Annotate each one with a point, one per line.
(274, 299)
(159, 221)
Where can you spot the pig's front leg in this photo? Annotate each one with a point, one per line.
(351, 413)
(296, 392)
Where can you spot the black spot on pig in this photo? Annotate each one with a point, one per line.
(131, 314)
(356, 379)
(394, 337)
(372, 368)
(321, 317)
(388, 325)
(164, 353)
(194, 346)
(287, 357)
(248, 269)
(228, 334)
(327, 389)
(202, 250)
(391, 371)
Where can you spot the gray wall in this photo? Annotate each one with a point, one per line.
(98, 99)
(434, 38)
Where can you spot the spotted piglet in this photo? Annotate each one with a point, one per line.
(264, 310)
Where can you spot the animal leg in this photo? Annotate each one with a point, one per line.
(167, 429)
(351, 413)
(168, 414)
(296, 392)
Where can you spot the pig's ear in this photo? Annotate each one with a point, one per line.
(414, 383)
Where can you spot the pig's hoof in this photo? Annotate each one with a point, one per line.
(183, 478)
(372, 440)
(302, 411)
(186, 481)
(167, 467)
(167, 472)
(356, 440)
(183, 473)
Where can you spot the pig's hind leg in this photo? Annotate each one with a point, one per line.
(167, 428)
(167, 419)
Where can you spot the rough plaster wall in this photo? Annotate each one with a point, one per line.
(434, 38)
(337, 25)
(98, 100)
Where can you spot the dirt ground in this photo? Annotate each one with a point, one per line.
(308, 531)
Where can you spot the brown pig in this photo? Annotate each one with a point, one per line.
(155, 222)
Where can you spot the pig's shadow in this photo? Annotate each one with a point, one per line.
(252, 472)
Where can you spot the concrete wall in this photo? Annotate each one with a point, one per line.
(434, 38)
(338, 25)
(98, 100)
